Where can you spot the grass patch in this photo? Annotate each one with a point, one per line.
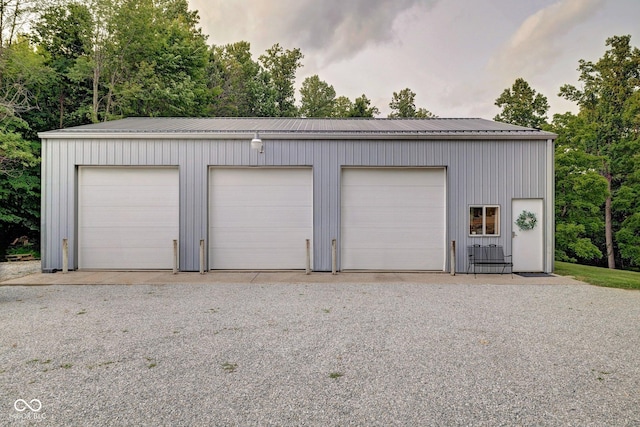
(335, 375)
(101, 364)
(229, 367)
(66, 366)
(152, 363)
(599, 276)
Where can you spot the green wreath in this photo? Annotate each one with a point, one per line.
(526, 221)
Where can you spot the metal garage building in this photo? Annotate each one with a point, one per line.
(392, 194)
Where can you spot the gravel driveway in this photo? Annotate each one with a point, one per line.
(320, 355)
(10, 270)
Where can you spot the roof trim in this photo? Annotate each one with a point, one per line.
(297, 129)
(302, 135)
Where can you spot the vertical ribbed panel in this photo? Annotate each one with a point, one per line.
(478, 172)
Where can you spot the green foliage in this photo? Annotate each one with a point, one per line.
(15, 154)
(159, 61)
(19, 188)
(422, 113)
(317, 98)
(580, 192)
(63, 37)
(628, 237)
(609, 123)
(281, 66)
(342, 107)
(23, 250)
(236, 80)
(361, 107)
(571, 244)
(522, 106)
(403, 106)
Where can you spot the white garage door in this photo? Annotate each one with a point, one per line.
(259, 218)
(128, 217)
(393, 219)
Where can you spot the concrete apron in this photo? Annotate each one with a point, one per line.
(273, 277)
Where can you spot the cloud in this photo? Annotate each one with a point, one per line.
(331, 30)
(536, 43)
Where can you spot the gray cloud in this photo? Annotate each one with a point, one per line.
(537, 42)
(331, 30)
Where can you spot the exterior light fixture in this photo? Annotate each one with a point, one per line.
(256, 143)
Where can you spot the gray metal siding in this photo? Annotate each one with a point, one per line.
(478, 172)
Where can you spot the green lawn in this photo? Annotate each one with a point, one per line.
(599, 276)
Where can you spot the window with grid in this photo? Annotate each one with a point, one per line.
(484, 220)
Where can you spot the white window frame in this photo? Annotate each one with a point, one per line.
(484, 220)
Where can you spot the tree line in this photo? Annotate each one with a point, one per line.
(68, 63)
(597, 156)
(71, 63)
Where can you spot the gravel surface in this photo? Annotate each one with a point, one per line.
(320, 355)
(12, 270)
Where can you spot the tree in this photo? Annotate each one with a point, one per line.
(423, 113)
(236, 81)
(159, 61)
(19, 184)
(317, 98)
(14, 16)
(342, 107)
(362, 108)
(403, 105)
(607, 100)
(580, 193)
(63, 37)
(523, 106)
(281, 67)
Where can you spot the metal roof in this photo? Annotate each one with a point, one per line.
(300, 128)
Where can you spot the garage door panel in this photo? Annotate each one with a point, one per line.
(250, 177)
(394, 238)
(119, 237)
(124, 258)
(395, 259)
(422, 192)
(393, 218)
(133, 217)
(124, 176)
(261, 259)
(364, 177)
(280, 196)
(114, 197)
(397, 198)
(128, 217)
(259, 218)
(263, 217)
(258, 238)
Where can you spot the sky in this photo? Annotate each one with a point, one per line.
(456, 55)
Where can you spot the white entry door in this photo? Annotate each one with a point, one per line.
(527, 245)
